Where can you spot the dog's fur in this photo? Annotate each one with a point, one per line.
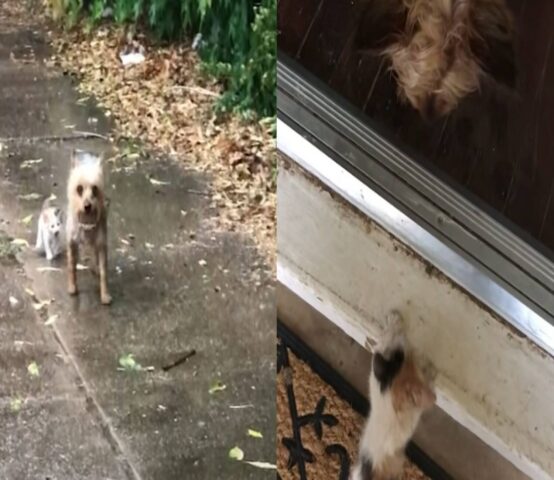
(399, 394)
(87, 218)
(440, 50)
(49, 230)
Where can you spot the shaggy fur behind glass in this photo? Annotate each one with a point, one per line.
(439, 50)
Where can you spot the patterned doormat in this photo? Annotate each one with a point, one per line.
(320, 418)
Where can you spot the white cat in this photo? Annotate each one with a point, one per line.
(399, 394)
(50, 226)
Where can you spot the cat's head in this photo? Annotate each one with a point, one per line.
(53, 219)
(409, 388)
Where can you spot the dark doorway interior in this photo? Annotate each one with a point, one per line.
(497, 145)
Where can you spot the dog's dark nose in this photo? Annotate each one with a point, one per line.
(87, 207)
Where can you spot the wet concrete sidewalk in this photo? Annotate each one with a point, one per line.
(178, 284)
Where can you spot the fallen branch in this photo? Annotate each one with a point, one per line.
(200, 90)
(82, 134)
(181, 359)
(76, 135)
(197, 192)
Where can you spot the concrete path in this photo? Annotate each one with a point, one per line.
(177, 285)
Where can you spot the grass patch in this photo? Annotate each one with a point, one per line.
(8, 251)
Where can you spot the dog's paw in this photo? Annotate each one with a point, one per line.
(106, 299)
(72, 290)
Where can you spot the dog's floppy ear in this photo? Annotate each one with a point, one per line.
(494, 45)
(380, 23)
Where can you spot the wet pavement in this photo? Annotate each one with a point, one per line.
(178, 285)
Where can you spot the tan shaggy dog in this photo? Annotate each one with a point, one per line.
(87, 218)
(440, 50)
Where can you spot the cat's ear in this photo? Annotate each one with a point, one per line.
(493, 45)
(59, 214)
(380, 23)
(422, 396)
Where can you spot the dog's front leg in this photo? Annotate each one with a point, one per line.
(102, 255)
(94, 267)
(72, 256)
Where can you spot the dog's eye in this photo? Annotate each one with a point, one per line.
(94, 191)
(79, 190)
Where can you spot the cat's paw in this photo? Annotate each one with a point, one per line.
(394, 322)
(427, 368)
(393, 332)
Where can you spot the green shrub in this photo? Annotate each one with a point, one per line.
(239, 39)
(250, 78)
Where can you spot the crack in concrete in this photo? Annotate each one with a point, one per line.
(6, 401)
(106, 425)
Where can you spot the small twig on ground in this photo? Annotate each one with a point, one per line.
(200, 90)
(197, 192)
(182, 359)
(80, 133)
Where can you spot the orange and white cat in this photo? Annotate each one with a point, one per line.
(399, 394)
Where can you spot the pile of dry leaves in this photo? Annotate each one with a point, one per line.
(166, 103)
(13, 14)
